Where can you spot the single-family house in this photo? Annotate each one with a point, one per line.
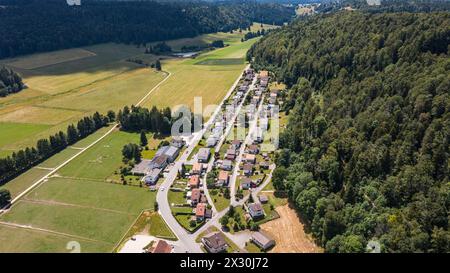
(236, 144)
(262, 240)
(264, 74)
(253, 149)
(211, 141)
(194, 181)
(197, 168)
(222, 178)
(200, 212)
(195, 197)
(248, 169)
(227, 165)
(249, 158)
(214, 243)
(264, 165)
(203, 155)
(231, 154)
(255, 210)
(246, 183)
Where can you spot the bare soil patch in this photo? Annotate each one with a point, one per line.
(289, 233)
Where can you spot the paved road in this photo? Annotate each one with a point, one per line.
(186, 239)
(82, 150)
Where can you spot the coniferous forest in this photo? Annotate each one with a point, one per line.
(10, 82)
(30, 26)
(365, 155)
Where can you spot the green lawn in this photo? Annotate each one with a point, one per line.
(252, 248)
(58, 158)
(13, 132)
(18, 240)
(22, 182)
(102, 160)
(101, 225)
(229, 61)
(176, 197)
(220, 202)
(95, 194)
(159, 228)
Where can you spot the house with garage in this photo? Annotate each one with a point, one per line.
(248, 169)
(246, 183)
(230, 154)
(197, 168)
(194, 181)
(203, 155)
(215, 243)
(262, 240)
(255, 210)
(200, 211)
(196, 194)
(249, 158)
(227, 165)
(223, 178)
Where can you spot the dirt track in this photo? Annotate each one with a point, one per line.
(289, 233)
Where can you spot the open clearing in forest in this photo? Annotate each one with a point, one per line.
(289, 233)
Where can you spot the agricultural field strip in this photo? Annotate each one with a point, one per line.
(79, 153)
(50, 231)
(57, 203)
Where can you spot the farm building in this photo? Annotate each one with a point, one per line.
(152, 178)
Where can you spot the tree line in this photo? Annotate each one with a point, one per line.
(159, 121)
(53, 25)
(10, 82)
(24, 159)
(365, 155)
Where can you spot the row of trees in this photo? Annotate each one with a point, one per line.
(24, 159)
(10, 82)
(365, 155)
(160, 121)
(52, 24)
(5, 197)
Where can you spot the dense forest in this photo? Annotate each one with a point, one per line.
(30, 26)
(387, 6)
(24, 159)
(365, 155)
(10, 82)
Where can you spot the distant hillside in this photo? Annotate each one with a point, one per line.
(365, 155)
(52, 24)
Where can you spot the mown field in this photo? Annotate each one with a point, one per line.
(65, 88)
(79, 203)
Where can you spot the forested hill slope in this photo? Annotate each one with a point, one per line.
(29, 26)
(366, 152)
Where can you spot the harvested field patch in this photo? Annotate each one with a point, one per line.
(289, 233)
